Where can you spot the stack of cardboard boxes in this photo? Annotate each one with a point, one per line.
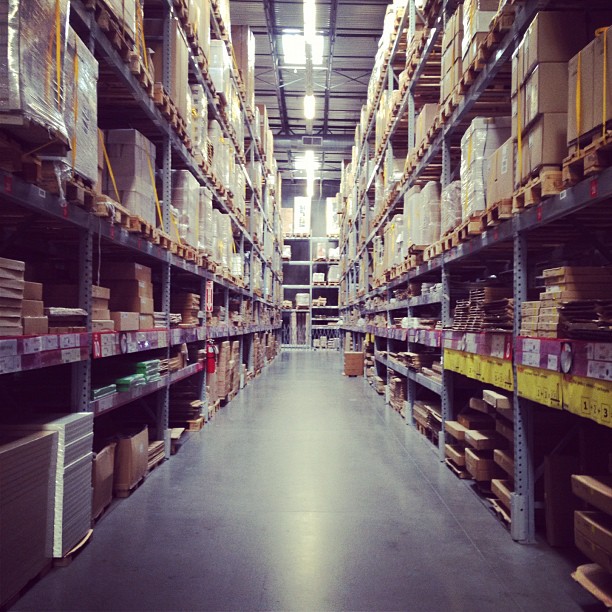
(477, 16)
(480, 140)
(188, 306)
(353, 363)
(131, 296)
(452, 42)
(223, 370)
(11, 296)
(34, 320)
(100, 314)
(243, 42)
(132, 161)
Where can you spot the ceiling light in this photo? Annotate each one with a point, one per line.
(310, 18)
(309, 107)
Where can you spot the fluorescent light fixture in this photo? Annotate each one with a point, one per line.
(310, 20)
(294, 49)
(307, 162)
(309, 107)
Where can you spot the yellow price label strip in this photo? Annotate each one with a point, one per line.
(541, 386)
(588, 398)
(497, 372)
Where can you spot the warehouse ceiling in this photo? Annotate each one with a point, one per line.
(350, 31)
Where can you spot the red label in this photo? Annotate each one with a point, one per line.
(209, 296)
(539, 213)
(64, 211)
(496, 234)
(139, 244)
(8, 184)
(594, 188)
(112, 231)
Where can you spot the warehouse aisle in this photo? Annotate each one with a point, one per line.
(302, 495)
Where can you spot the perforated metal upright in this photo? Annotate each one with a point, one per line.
(81, 371)
(447, 376)
(522, 502)
(163, 396)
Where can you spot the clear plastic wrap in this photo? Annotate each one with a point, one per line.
(199, 119)
(186, 199)
(412, 200)
(219, 68)
(81, 110)
(333, 274)
(206, 230)
(237, 265)
(239, 189)
(450, 207)
(32, 52)
(429, 219)
(399, 252)
(481, 139)
(217, 244)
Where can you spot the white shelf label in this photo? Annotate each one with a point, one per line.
(10, 364)
(498, 346)
(71, 355)
(602, 370)
(531, 345)
(599, 351)
(69, 340)
(553, 363)
(32, 345)
(107, 345)
(531, 359)
(8, 347)
(50, 343)
(106, 403)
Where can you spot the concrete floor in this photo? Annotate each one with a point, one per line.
(307, 493)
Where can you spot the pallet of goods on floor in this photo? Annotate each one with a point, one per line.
(141, 243)
(475, 235)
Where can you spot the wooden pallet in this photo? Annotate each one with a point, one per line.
(498, 212)
(116, 32)
(467, 230)
(137, 225)
(122, 493)
(592, 159)
(194, 424)
(71, 555)
(596, 581)
(549, 183)
(499, 511)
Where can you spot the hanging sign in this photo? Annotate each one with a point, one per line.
(208, 298)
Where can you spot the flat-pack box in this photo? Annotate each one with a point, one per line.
(424, 121)
(126, 321)
(580, 92)
(545, 91)
(544, 143)
(35, 326)
(98, 325)
(103, 470)
(500, 180)
(593, 536)
(353, 363)
(32, 308)
(126, 271)
(595, 490)
(553, 36)
(32, 291)
(131, 456)
(146, 321)
(481, 466)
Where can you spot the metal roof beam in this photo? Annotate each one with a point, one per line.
(278, 79)
(333, 19)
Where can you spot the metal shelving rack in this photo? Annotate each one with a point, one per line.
(515, 235)
(81, 350)
(312, 328)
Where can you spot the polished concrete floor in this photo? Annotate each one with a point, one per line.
(306, 493)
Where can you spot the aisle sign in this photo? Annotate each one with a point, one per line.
(541, 386)
(208, 299)
(588, 398)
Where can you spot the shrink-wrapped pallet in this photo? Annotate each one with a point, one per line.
(206, 230)
(412, 200)
(429, 218)
(199, 119)
(80, 113)
(32, 53)
(450, 207)
(219, 68)
(186, 201)
(480, 140)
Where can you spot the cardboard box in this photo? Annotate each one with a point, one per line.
(601, 62)
(100, 293)
(502, 490)
(121, 288)
(455, 453)
(103, 469)
(35, 326)
(481, 466)
(131, 456)
(505, 460)
(100, 313)
(471, 419)
(98, 325)
(32, 308)
(581, 87)
(126, 321)
(595, 490)
(553, 37)
(545, 91)
(32, 291)
(353, 364)
(424, 121)
(591, 536)
(484, 440)
(505, 428)
(545, 143)
(146, 321)
(126, 271)
(132, 303)
(497, 400)
(455, 429)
